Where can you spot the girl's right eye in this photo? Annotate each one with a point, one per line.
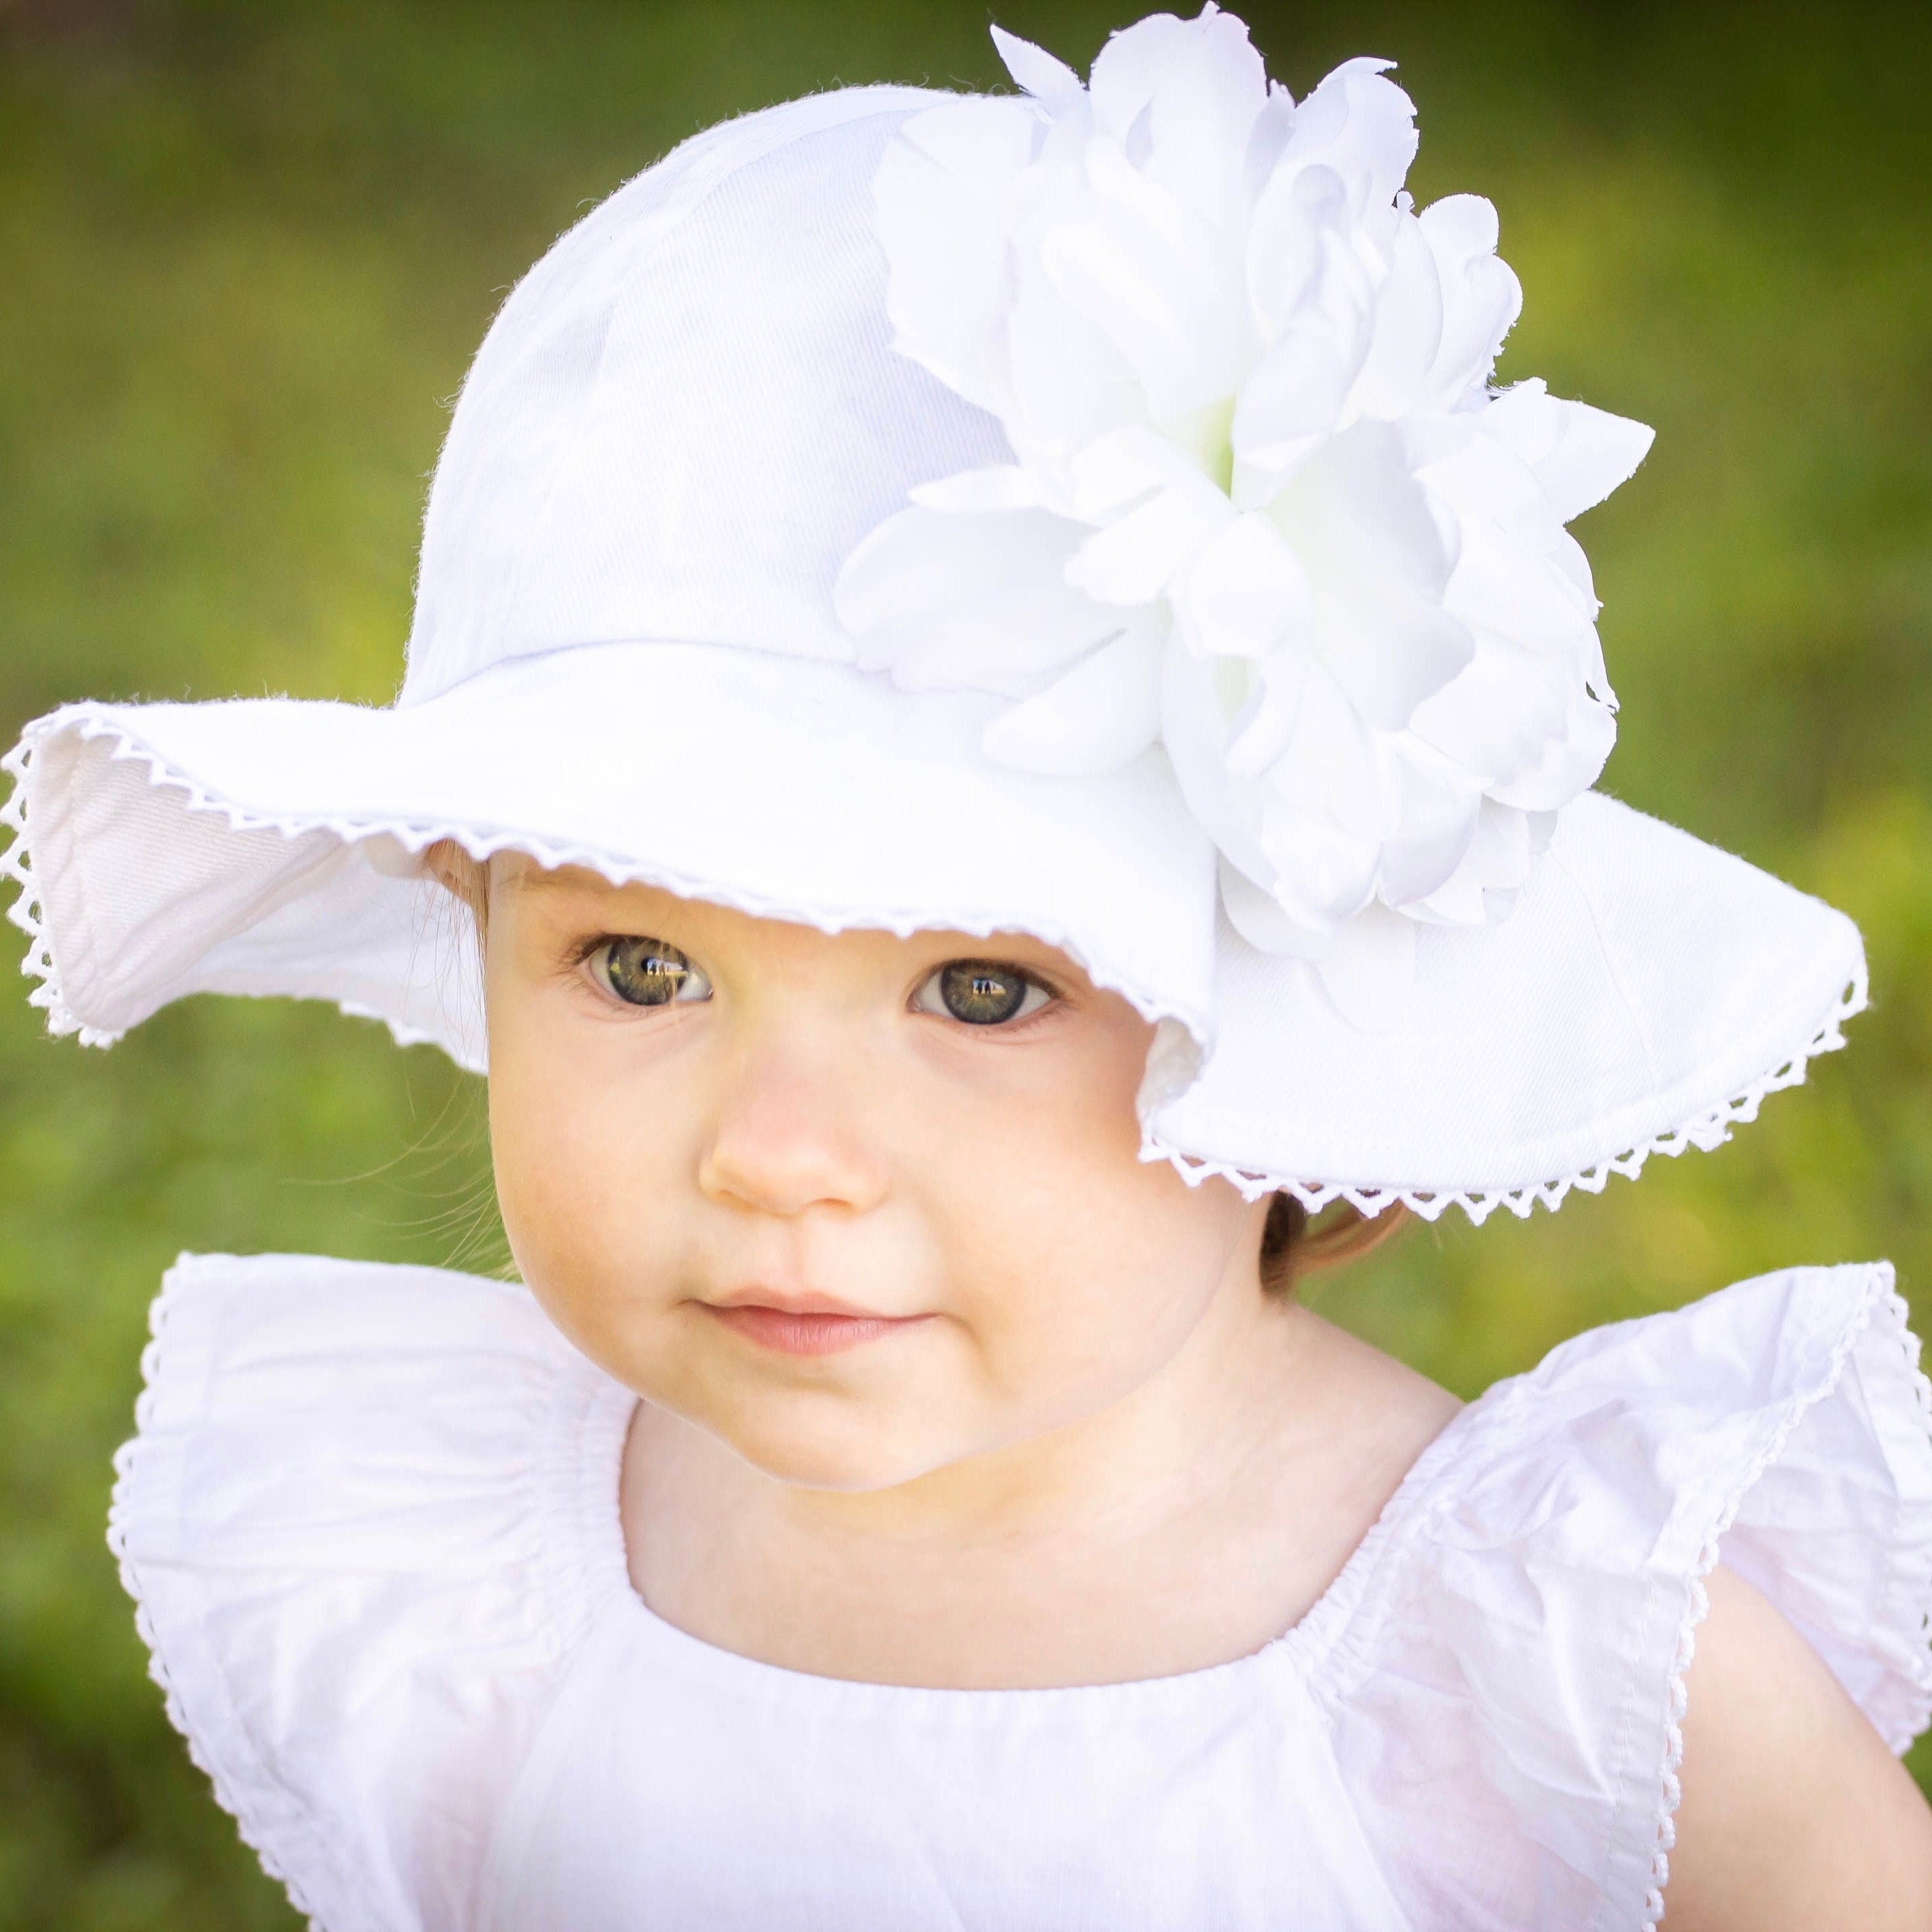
(982, 992)
(647, 972)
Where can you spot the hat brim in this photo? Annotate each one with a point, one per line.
(1646, 992)
(1644, 996)
(269, 845)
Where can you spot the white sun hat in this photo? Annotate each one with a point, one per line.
(1087, 513)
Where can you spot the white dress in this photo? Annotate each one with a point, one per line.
(371, 1519)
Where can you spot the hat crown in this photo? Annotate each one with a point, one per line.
(689, 411)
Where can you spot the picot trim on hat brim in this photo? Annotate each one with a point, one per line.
(24, 912)
(16, 864)
(417, 836)
(1709, 1129)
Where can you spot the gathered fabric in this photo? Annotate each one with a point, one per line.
(369, 1519)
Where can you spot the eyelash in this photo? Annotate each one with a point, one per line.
(930, 997)
(652, 950)
(1030, 1007)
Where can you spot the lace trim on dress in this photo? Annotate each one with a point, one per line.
(1884, 1312)
(224, 1526)
(256, 1837)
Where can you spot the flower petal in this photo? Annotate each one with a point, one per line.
(1067, 382)
(1195, 89)
(950, 600)
(1406, 333)
(1297, 209)
(1246, 589)
(1501, 851)
(1494, 718)
(1376, 557)
(1568, 764)
(1134, 559)
(1579, 454)
(1482, 480)
(1139, 270)
(1196, 712)
(1334, 876)
(1099, 715)
(1258, 917)
(1293, 397)
(1360, 125)
(1416, 865)
(983, 141)
(939, 195)
(1120, 469)
(1501, 588)
(1481, 297)
(1264, 727)
(1042, 75)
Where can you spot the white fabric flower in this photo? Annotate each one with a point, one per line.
(1264, 507)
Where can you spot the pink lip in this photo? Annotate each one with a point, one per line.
(813, 1327)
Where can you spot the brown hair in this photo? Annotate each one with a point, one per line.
(466, 880)
(1291, 1247)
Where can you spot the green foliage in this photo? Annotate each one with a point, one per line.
(248, 252)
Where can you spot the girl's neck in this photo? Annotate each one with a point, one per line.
(1187, 1525)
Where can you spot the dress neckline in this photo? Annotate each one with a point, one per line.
(1303, 1653)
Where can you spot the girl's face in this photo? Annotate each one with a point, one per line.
(859, 1206)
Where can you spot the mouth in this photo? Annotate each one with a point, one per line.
(815, 1328)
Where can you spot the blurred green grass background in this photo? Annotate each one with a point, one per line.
(248, 251)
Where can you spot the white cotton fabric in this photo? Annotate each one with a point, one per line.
(371, 1520)
(626, 655)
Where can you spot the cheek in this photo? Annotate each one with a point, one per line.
(1080, 1268)
(1081, 1288)
(578, 1159)
(1067, 1271)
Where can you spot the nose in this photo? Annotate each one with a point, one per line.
(790, 1137)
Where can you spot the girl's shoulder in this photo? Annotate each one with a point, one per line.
(1784, 1409)
(1525, 1611)
(369, 1518)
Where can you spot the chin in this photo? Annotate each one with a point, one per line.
(849, 1453)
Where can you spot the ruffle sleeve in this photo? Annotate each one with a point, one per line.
(1508, 1694)
(351, 1522)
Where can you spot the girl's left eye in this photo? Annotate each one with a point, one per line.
(981, 992)
(647, 972)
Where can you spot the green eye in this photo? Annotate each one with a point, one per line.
(981, 992)
(647, 972)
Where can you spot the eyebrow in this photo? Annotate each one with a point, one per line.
(534, 877)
